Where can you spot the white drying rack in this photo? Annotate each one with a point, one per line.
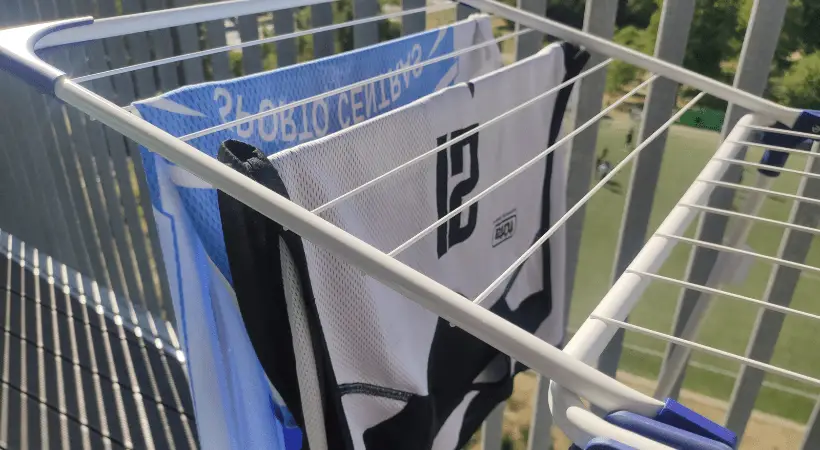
(572, 377)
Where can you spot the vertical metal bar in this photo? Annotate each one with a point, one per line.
(599, 19)
(463, 11)
(285, 49)
(324, 42)
(30, 228)
(413, 23)
(249, 31)
(759, 45)
(48, 159)
(540, 436)
(87, 245)
(794, 246)
(123, 89)
(811, 439)
(115, 174)
(492, 431)
(133, 253)
(25, 223)
(673, 34)
(16, 217)
(146, 86)
(161, 47)
(32, 128)
(110, 223)
(530, 43)
(220, 62)
(368, 33)
(64, 163)
(187, 37)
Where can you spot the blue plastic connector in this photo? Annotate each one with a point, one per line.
(807, 122)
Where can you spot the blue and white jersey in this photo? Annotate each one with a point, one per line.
(234, 404)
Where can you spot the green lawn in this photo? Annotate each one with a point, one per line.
(729, 322)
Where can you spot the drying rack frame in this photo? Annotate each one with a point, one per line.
(569, 371)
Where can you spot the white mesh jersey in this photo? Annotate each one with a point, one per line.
(405, 379)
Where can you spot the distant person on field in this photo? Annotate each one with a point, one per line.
(629, 136)
(603, 166)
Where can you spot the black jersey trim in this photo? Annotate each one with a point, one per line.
(253, 245)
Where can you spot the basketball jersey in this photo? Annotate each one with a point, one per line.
(393, 374)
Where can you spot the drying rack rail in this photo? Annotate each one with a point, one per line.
(778, 129)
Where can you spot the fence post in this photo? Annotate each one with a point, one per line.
(463, 11)
(530, 43)
(811, 439)
(413, 23)
(367, 33)
(286, 49)
(186, 36)
(492, 432)
(168, 78)
(249, 31)
(794, 246)
(214, 37)
(146, 86)
(599, 19)
(324, 43)
(759, 45)
(673, 34)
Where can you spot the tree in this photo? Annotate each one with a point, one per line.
(800, 85)
(621, 74)
(714, 26)
(636, 13)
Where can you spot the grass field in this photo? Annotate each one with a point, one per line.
(729, 322)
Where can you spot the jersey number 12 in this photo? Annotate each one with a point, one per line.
(450, 164)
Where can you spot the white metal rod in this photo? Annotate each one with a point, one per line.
(778, 148)
(764, 191)
(593, 335)
(733, 95)
(226, 48)
(742, 162)
(517, 171)
(780, 223)
(711, 350)
(167, 18)
(456, 140)
(342, 89)
(713, 291)
(725, 248)
(560, 222)
(490, 328)
(787, 132)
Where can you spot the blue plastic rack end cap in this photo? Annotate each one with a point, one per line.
(679, 416)
(606, 444)
(665, 434)
(807, 122)
(17, 54)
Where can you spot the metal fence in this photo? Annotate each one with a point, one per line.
(75, 190)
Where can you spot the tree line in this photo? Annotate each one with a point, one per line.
(715, 41)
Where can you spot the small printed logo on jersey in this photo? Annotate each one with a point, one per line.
(504, 228)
